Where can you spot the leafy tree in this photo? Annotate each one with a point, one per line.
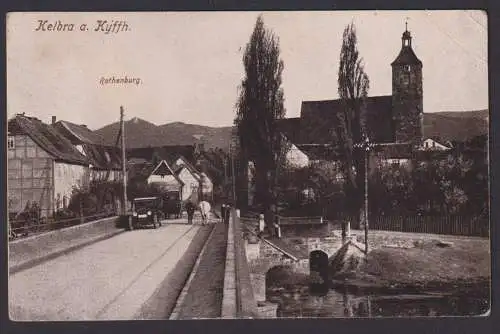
(259, 106)
(97, 197)
(391, 189)
(353, 86)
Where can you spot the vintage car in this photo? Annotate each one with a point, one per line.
(172, 204)
(147, 211)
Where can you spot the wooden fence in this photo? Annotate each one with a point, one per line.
(447, 224)
(453, 225)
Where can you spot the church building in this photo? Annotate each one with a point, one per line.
(396, 118)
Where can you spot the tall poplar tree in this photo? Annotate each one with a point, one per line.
(353, 86)
(259, 107)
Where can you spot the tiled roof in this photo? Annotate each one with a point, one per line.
(320, 120)
(99, 155)
(395, 151)
(102, 157)
(186, 164)
(48, 138)
(79, 134)
(320, 152)
(290, 127)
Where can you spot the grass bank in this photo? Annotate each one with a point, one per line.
(419, 262)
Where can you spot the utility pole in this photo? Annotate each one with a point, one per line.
(225, 169)
(124, 169)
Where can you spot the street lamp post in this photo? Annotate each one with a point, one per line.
(367, 146)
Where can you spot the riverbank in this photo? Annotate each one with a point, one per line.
(421, 263)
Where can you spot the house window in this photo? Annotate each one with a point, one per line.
(11, 143)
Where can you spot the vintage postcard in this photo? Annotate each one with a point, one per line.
(222, 165)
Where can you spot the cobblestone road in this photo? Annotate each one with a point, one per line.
(108, 280)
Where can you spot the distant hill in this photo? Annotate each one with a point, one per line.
(459, 126)
(447, 125)
(477, 114)
(140, 133)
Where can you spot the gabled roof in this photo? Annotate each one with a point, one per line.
(186, 164)
(163, 169)
(48, 138)
(79, 134)
(320, 120)
(102, 157)
(99, 155)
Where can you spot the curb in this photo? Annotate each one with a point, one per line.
(229, 290)
(180, 300)
(34, 262)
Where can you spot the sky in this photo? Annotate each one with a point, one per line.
(190, 63)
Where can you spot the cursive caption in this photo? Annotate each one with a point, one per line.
(123, 80)
(101, 26)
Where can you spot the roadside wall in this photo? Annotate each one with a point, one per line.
(30, 251)
(238, 296)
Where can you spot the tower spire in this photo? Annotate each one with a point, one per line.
(406, 39)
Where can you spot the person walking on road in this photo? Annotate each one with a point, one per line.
(227, 212)
(223, 213)
(190, 208)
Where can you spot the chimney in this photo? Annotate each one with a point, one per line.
(54, 120)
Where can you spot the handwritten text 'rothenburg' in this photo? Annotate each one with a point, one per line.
(104, 26)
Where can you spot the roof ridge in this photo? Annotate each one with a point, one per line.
(339, 99)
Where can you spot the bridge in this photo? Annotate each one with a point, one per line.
(98, 271)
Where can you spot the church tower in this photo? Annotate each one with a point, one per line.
(407, 96)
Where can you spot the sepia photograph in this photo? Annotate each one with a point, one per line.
(247, 165)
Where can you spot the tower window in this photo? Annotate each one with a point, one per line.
(407, 68)
(11, 143)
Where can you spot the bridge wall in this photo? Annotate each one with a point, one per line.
(306, 230)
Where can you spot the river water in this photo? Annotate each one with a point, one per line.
(325, 302)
